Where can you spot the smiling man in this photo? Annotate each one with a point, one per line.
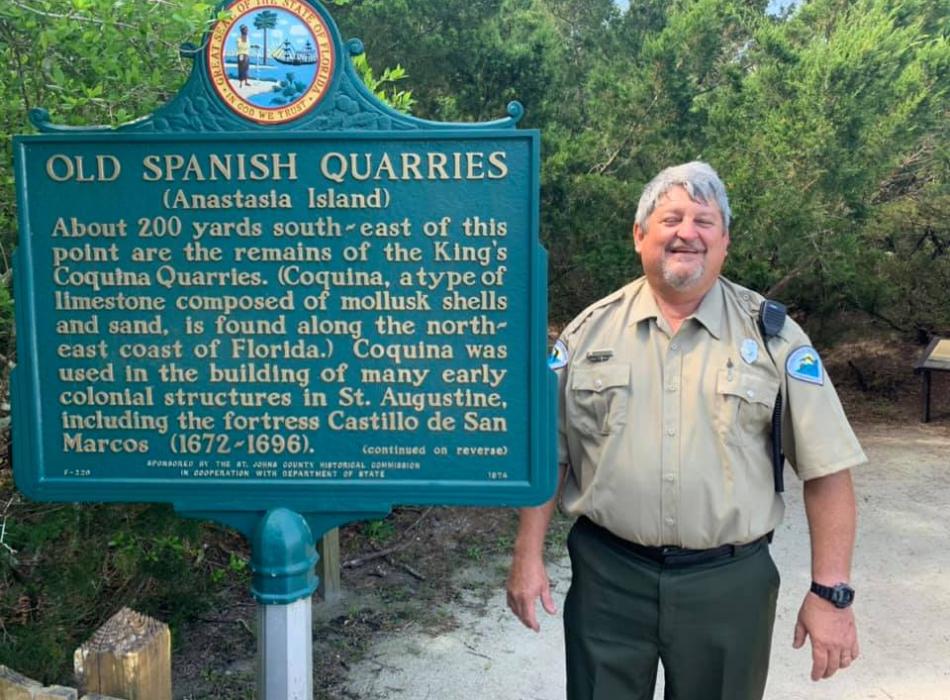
(667, 393)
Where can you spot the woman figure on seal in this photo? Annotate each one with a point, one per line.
(243, 57)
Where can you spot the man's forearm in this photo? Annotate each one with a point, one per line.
(832, 518)
(533, 524)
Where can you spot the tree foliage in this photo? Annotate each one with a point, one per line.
(828, 124)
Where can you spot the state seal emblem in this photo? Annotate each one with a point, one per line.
(272, 61)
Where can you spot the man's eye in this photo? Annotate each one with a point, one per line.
(670, 220)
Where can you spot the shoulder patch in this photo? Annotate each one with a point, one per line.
(805, 365)
(559, 356)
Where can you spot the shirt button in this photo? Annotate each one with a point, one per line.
(750, 393)
(674, 346)
(669, 478)
(671, 432)
(671, 387)
(599, 384)
(671, 521)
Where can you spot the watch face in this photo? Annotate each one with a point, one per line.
(842, 595)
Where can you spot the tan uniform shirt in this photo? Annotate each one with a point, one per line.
(667, 437)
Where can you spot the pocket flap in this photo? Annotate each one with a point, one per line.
(600, 378)
(747, 387)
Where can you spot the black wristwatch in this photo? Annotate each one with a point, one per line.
(840, 595)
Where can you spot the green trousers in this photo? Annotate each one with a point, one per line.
(710, 624)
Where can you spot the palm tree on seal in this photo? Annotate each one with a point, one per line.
(265, 20)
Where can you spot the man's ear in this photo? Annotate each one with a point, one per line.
(638, 234)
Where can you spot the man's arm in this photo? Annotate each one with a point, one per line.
(527, 579)
(831, 512)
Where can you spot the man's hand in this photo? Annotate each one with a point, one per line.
(834, 637)
(528, 581)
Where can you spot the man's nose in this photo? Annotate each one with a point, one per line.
(688, 230)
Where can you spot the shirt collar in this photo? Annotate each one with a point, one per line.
(644, 305)
(708, 313)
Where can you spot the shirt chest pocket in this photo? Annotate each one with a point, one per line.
(745, 403)
(599, 397)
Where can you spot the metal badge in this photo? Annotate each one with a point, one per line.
(749, 350)
(599, 355)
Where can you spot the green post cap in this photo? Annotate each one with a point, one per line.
(283, 556)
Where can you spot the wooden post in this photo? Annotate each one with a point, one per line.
(328, 567)
(926, 396)
(130, 656)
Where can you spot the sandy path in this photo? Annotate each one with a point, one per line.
(902, 574)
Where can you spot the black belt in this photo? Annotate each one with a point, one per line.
(670, 556)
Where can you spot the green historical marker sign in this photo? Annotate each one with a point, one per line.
(278, 292)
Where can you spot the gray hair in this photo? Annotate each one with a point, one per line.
(700, 181)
